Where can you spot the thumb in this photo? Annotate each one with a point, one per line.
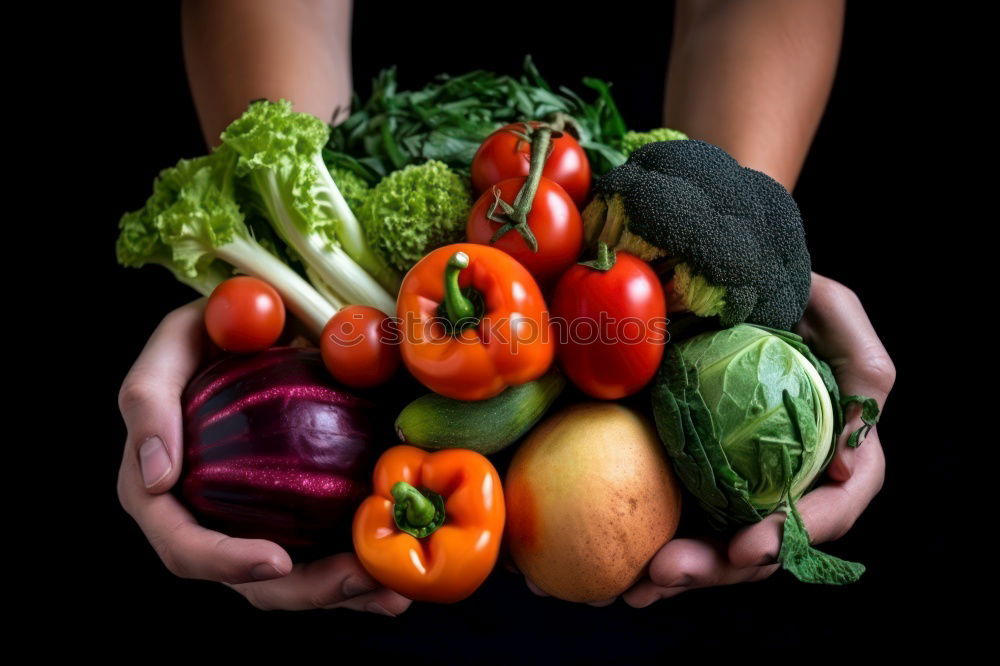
(839, 330)
(150, 399)
(153, 449)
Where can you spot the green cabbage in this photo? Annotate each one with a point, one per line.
(750, 418)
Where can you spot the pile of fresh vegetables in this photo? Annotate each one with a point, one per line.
(497, 241)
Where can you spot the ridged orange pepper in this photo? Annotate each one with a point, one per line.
(474, 322)
(432, 528)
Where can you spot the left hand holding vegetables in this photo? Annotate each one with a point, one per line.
(837, 327)
(260, 570)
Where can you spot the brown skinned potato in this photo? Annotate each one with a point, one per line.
(590, 499)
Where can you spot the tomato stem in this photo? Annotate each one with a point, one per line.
(605, 258)
(515, 216)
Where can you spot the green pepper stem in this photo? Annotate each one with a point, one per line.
(456, 305)
(419, 509)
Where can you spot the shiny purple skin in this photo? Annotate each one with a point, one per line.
(274, 449)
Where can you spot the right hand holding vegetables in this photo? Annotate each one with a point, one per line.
(258, 569)
(836, 326)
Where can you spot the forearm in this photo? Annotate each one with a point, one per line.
(237, 51)
(754, 77)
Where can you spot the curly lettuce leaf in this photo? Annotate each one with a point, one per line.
(280, 163)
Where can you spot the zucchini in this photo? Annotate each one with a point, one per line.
(433, 421)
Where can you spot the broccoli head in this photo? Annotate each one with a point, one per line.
(634, 140)
(414, 210)
(731, 237)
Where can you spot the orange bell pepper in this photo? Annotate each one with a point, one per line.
(432, 529)
(474, 322)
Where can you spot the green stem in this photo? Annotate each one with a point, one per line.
(419, 509)
(418, 513)
(516, 215)
(458, 308)
(541, 139)
(605, 258)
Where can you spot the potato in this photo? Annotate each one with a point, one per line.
(590, 497)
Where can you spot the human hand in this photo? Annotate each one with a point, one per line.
(260, 570)
(837, 328)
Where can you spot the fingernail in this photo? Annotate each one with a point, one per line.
(373, 607)
(153, 461)
(353, 586)
(265, 571)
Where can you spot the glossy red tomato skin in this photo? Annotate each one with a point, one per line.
(244, 315)
(503, 155)
(554, 220)
(625, 359)
(360, 346)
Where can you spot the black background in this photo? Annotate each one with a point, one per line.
(849, 200)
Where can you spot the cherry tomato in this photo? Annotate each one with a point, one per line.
(554, 220)
(613, 326)
(504, 155)
(360, 346)
(244, 315)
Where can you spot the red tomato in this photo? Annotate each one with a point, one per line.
(244, 315)
(360, 346)
(612, 326)
(504, 155)
(554, 220)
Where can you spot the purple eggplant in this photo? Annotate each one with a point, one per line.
(274, 449)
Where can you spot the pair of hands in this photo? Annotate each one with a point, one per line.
(835, 325)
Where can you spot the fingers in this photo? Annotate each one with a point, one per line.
(828, 512)
(150, 402)
(684, 564)
(333, 582)
(191, 551)
(838, 329)
(848, 460)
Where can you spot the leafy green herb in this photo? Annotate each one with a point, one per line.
(448, 119)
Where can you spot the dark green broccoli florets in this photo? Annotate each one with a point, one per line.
(732, 235)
